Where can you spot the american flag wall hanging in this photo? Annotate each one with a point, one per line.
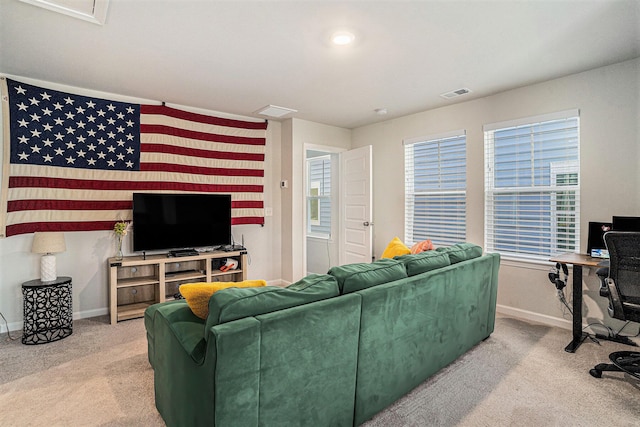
(72, 162)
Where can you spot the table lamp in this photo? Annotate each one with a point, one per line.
(48, 243)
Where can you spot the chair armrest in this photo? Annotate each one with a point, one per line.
(615, 309)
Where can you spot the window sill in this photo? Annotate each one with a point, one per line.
(318, 237)
(529, 264)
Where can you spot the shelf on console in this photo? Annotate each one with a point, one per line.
(224, 273)
(184, 275)
(137, 281)
(133, 311)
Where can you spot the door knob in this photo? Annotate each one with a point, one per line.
(367, 223)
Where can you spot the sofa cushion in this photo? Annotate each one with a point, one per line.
(461, 252)
(354, 277)
(198, 294)
(395, 248)
(424, 261)
(235, 303)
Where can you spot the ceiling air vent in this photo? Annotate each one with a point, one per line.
(275, 111)
(454, 93)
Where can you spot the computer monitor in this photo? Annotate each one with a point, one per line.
(595, 245)
(626, 223)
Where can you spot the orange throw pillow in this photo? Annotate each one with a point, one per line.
(425, 245)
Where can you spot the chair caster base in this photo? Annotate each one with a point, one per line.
(597, 370)
(623, 361)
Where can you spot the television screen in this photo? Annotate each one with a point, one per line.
(180, 221)
(626, 223)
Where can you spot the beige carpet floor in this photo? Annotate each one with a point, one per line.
(520, 376)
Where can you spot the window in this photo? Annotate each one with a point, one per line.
(532, 186)
(319, 196)
(435, 189)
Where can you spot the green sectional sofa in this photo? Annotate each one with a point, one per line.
(330, 350)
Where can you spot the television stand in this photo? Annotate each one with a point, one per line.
(136, 282)
(183, 252)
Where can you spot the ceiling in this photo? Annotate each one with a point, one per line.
(239, 56)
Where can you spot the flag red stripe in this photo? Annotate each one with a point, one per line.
(247, 220)
(98, 205)
(202, 136)
(195, 117)
(69, 205)
(90, 184)
(30, 227)
(197, 170)
(195, 152)
(240, 204)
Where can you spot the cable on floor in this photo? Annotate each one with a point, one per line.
(6, 324)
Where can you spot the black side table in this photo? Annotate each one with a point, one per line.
(48, 311)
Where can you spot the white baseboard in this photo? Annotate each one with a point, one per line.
(17, 326)
(535, 317)
(13, 326)
(278, 282)
(90, 313)
(503, 309)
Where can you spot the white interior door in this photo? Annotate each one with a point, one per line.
(355, 206)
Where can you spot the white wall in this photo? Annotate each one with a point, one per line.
(608, 99)
(87, 251)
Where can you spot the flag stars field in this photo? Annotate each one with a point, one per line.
(51, 114)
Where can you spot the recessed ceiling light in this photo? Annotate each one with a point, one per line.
(342, 38)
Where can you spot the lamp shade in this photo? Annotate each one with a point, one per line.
(48, 242)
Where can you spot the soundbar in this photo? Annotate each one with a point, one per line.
(182, 252)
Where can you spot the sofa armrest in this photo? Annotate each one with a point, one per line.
(186, 326)
(149, 315)
(495, 267)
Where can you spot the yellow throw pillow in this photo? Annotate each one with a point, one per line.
(395, 248)
(198, 294)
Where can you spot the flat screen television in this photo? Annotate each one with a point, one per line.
(180, 221)
(626, 223)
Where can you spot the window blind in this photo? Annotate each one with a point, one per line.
(532, 186)
(435, 189)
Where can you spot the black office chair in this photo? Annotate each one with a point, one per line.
(623, 286)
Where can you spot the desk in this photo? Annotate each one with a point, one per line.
(578, 261)
(48, 314)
